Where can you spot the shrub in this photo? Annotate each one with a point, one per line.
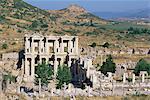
(142, 65)
(4, 46)
(9, 77)
(108, 66)
(44, 26)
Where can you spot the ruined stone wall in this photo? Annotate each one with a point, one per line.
(10, 56)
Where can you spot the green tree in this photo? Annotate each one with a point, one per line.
(44, 72)
(142, 65)
(34, 24)
(130, 29)
(93, 45)
(4, 46)
(63, 76)
(108, 66)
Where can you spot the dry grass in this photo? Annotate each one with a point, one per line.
(105, 98)
(18, 20)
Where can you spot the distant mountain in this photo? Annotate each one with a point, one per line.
(110, 15)
(76, 8)
(145, 13)
(76, 14)
(137, 14)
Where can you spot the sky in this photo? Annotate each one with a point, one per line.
(93, 5)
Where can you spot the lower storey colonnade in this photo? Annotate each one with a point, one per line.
(54, 61)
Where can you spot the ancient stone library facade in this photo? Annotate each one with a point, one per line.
(54, 50)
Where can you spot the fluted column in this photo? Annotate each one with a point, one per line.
(101, 59)
(1, 83)
(124, 78)
(32, 45)
(32, 67)
(76, 45)
(143, 77)
(133, 78)
(88, 69)
(69, 62)
(56, 45)
(62, 61)
(40, 46)
(46, 46)
(69, 46)
(26, 67)
(27, 45)
(39, 86)
(46, 60)
(55, 66)
(40, 59)
(61, 46)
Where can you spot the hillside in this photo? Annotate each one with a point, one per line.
(18, 18)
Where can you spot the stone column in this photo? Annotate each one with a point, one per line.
(69, 87)
(1, 78)
(76, 45)
(101, 59)
(40, 59)
(39, 86)
(88, 70)
(52, 92)
(18, 89)
(69, 46)
(113, 88)
(46, 46)
(133, 78)
(62, 61)
(55, 66)
(23, 67)
(32, 67)
(32, 46)
(89, 90)
(143, 77)
(109, 75)
(26, 67)
(124, 78)
(61, 46)
(56, 45)
(69, 62)
(94, 80)
(27, 45)
(46, 60)
(40, 46)
(7, 83)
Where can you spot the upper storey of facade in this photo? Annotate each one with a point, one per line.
(45, 45)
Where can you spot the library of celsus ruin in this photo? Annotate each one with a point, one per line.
(54, 50)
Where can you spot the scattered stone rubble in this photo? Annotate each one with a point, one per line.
(101, 85)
